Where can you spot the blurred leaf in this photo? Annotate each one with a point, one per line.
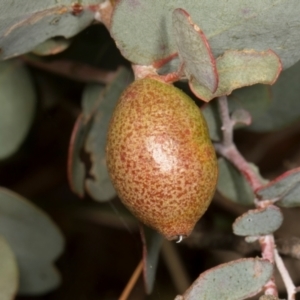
(268, 297)
(24, 26)
(35, 240)
(9, 275)
(100, 187)
(255, 99)
(292, 198)
(285, 187)
(211, 115)
(289, 246)
(170, 66)
(90, 100)
(52, 46)
(152, 242)
(76, 168)
(194, 51)
(232, 184)
(241, 116)
(284, 107)
(73, 70)
(259, 25)
(17, 102)
(256, 222)
(239, 279)
(240, 68)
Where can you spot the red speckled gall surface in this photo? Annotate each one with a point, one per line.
(160, 158)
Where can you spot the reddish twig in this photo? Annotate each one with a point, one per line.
(267, 245)
(290, 287)
(72, 70)
(228, 149)
(132, 281)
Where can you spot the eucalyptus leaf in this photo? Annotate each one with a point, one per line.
(52, 46)
(254, 99)
(194, 51)
(241, 116)
(76, 168)
(35, 240)
(284, 106)
(285, 187)
(90, 100)
(292, 198)
(280, 186)
(26, 24)
(240, 68)
(152, 243)
(214, 123)
(170, 66)
(232, 24)
(235, 280)
(100, 187)
(9, 274)
(256, 222)
(232, 184)
(268, 297)
(17, 102)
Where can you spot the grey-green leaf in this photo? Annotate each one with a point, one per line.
(285, 188)
(237, 69)
(243, 24)
(280, 186)
(17, 102)
(100, 187)
(235, 280)
(52, 46)
(256, 222)
(26, 24)
(194, 51)
(268, 297)
(284, 106)
(241, 116)
(90, 100)
(9, 274)
(292, 198)
(76, 168)
(35, 240)
(255, 99)
(232, 185)
(152, 242)
(212, 117)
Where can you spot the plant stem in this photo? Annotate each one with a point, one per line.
(132, 281)
(73, 70)
(267, 244)
(289, 285)
(234, 156)
(228, 149)
(227, 124)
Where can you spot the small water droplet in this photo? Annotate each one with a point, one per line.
(179, 239)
